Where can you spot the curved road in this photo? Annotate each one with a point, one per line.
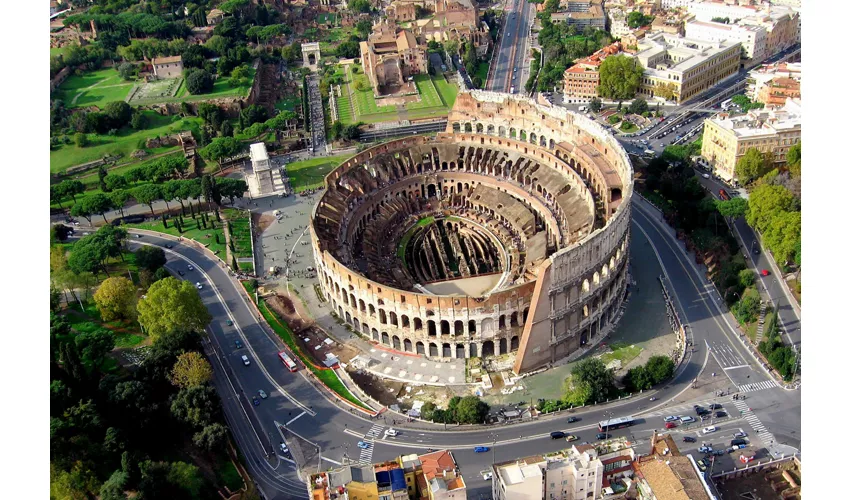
(335, 431)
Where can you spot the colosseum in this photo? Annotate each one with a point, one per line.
(507, 233)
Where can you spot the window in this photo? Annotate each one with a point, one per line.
(428, 301)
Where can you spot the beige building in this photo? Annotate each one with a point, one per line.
(577, 473)
(390, 56)
(167, 67)
(753, 39)
(685, 66)
(664, 474)
(727, 138)
(403, 10)
(581, 80)
(214, 17)
(772, 84)
(581, 13)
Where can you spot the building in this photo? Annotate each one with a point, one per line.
(774, 83)
(684, 67)
(581, 80)
(727, 138)
(565, 198)
(782, 26)
(403, 10)
(664, 474)
(581, 13)
(668, 24)
(455, 20)
(167, 67)
(390, 56)
(753, 39)
(263, 175)
(618, 24)
(214, 17)
(706, 10)
(674, 4)
(440, 478)
(576, 473)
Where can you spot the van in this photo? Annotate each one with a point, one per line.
(245, 360)
(709, 430)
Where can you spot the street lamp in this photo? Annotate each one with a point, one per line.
(494, 436)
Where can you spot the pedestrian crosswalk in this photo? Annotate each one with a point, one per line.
(757, 386)
(370, 437)
(764, 436)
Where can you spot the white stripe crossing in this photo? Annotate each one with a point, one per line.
(765, 437)
(366, 453)
(757, 386)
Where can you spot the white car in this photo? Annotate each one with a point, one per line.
(487, 475)
(199, 285)
(391, 432)
(687, 419)
(741, 434)
(245, 360)
(283, 448)
(709, 430)
(671, 418)
(191, 268)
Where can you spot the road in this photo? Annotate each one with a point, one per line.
(513, 47)
(336, 432)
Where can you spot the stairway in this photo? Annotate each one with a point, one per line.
(760, 331)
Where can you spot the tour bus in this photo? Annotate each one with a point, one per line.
(616, 423)
(287, 361)
(725, 105)
(723, 195)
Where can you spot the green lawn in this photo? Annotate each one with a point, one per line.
(221, 88)
(310, 174)
(206, 237)
(288, 103)
(56, 51)
(328, 377)
(240, 231)
(482, 70)
(94, 88)
(228, 474)
(621, 352)
(123, 143)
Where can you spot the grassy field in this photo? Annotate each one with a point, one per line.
(288, 103)
(123, 143)
(228, 474)
(95, 88)
(621, 352)
(221, 88)
(56, 51)
(481, 72)
(309, 174)
(240, 231)
(206, 237)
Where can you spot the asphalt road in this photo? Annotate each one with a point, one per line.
(512, 48)
(293, 400)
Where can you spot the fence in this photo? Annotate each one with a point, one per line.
(751, 468)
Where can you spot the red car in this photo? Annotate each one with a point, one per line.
(764, 272)
(670, 425)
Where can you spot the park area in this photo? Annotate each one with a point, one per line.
(310, 174)
(94, 88)
(240, 231)
(437, 96)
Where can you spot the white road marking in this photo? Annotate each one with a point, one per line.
(331, 461)
(296, 418)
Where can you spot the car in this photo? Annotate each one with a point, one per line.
(602, 435)
(738, 442)
(487, 475)
(557, 435)
(191, 268)
(740, 434)
(689, 439)
(671, 418)
(709, 429)
(705, 417)
(256, 401)
(570, 437)
(514, 70)
(169, 245)
(706, 176)
(509, 34)
(718, 453)
(715, 406)
(670, 425)
(262, 394)
(481, 449)
(765, 272)
(229, 322)
(283, 448)
(237, 343)
(653, 398)
(391, 432)
(705, 449)
(572, 419)
(138, 236)
(513, 77)
(245, 360)
(719, 414)
(703, 411)
(701, 466)
(362, 445)
(181, 273)
(199, 285)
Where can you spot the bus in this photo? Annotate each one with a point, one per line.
(723, 195)
(287, 361)
(615, 423)
(725, 105)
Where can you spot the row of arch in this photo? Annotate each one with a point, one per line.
(459, 350)
(507, 133)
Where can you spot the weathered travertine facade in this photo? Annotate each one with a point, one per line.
(537, 199)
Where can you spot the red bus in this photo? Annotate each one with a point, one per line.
(287, 361)
(724, 195)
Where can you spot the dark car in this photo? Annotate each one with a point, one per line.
(689, 439)
(168, 245)
(237, 343)
(572, 419)
(181, 273)
(557, 435)
(481, 449)
(703, 411)
(256, 401)
(737, 442)
(697, 408)
(715, 406)
(703, 418)
(602, 435)
(719, 414)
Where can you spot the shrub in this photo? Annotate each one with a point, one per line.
(614, 119)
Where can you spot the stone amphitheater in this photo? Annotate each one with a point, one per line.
(507, 233)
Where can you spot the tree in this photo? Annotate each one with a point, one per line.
(783, 235)
(751, 166)
(150, 258)
(362, 6)
(93, 347)
(115, 181)
(156, 482)
(190, 370)
(349, 49)
(471, 410)
(599, 380)
(732, 209)
(451, 47)
(147, 194)
(196, 406)
(199, 81)
(70, 187)
(666, 91)
(427, 411)
(363, 28)
(659, 368)
(81, 140)
(116, 299)
(636, 19)
(118, 113)
(638, 106)
(59, 232)
(596, 104)
(619, 77)
(97, 203)
(794, 154)
(221, 147)
(765, 202)
(113, 488)
(211, 438)
(746, 278)
(172, 305)
(746, 310)
(253, 114)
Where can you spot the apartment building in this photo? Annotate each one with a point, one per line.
(581, 80)
(664, 474)
(727, 138)
(707, 10)
(576, 473)
(684, 66)
(753, 39)
(772, 84)
(581, 14)
(782, 25)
